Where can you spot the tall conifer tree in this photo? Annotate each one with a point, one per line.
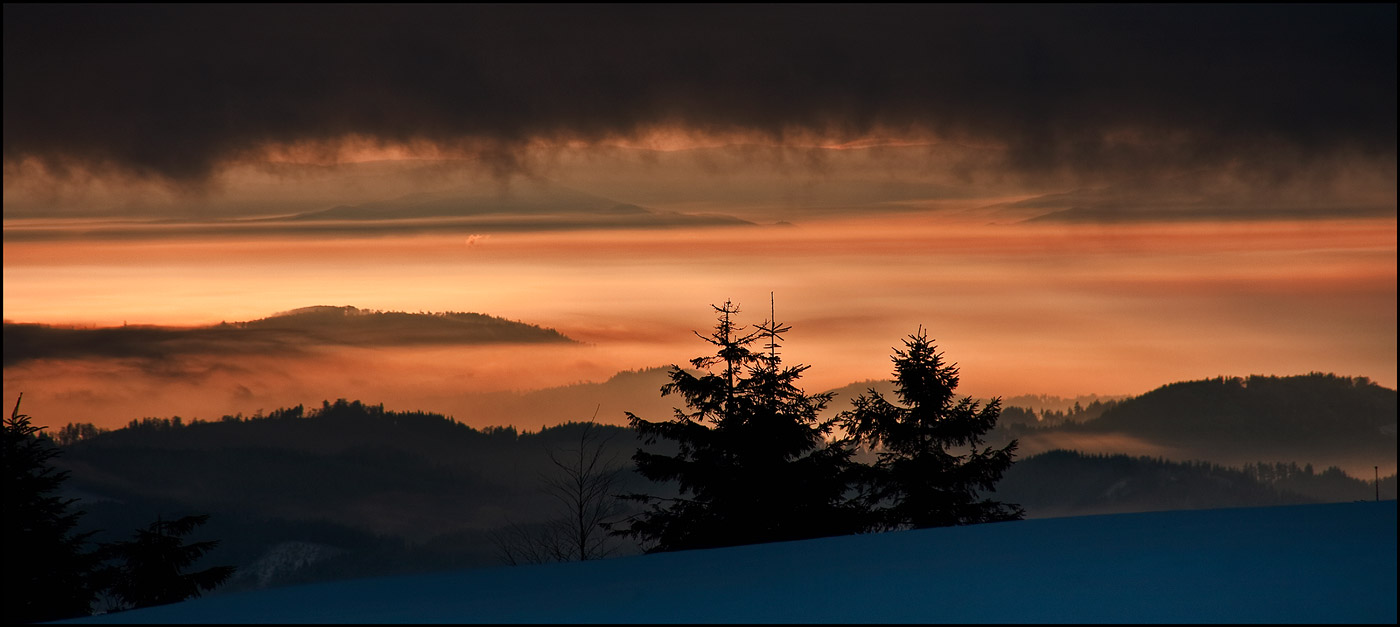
(753, 462)
(932, 467)
(153, 564)
(48, 573)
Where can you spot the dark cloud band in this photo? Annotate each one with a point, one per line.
(174, 91)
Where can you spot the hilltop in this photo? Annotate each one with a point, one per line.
(289, 333)
(1318, 418)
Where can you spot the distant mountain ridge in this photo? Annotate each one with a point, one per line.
(351, 325)
(522, 199)
(1319, 418)
(290, 331)
(525, 205)
(1181, 198)
(1320, 406)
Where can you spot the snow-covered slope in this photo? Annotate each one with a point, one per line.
(1311, 563)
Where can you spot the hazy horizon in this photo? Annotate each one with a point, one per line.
(1070, 200)
(1063, 310)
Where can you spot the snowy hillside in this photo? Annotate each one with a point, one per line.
(1331, 563)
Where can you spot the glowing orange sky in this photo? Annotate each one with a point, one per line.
(1028, 308)
(887, 234)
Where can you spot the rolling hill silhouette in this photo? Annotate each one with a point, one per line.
(289, 332)
(1321, 418)
(350, 489)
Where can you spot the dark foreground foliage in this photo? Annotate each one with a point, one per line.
(932, 470)
(756, 463)
(753, 461)
(52, 573)
(49, 570)
(152, 565)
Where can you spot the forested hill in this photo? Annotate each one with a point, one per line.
(351, 325)
(345, 428)
(287, 332)
(1309, 417)
(1067, 483)
(349, 489)
(345, 489)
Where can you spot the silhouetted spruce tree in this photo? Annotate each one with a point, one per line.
(753, 462)
(931, 467)
(48, 574)
(150, 568)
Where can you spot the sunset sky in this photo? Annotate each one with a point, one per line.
(1070, 199)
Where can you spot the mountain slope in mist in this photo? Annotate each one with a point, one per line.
(1069, 483)
(1320, 418)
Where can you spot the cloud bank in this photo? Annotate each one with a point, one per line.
(177, 92)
